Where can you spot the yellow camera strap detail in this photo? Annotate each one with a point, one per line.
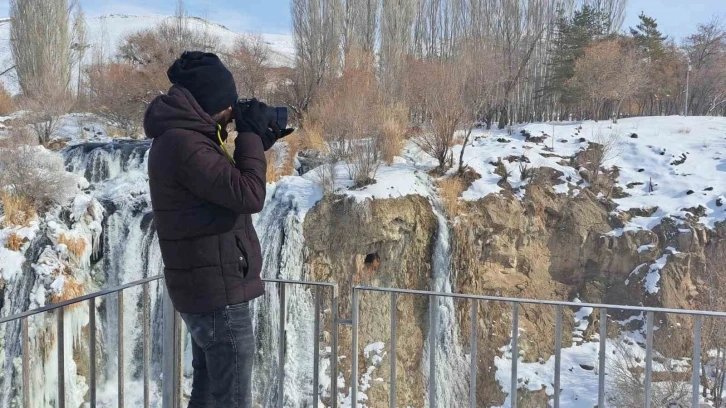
(221, 144)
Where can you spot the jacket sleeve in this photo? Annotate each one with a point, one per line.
(207, 173)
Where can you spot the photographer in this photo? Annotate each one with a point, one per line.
(203, 198)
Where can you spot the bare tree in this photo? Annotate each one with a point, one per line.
(437, 87)
(249, 62)
(612, 12)
(317, 28)
(79, 44)
(40, 44)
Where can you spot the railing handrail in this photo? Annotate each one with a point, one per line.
(121, 288)
(543, 302)
(80, 299)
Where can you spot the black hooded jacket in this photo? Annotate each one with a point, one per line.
(202, 205)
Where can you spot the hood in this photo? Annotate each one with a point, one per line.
(177, 110)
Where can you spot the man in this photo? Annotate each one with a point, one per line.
(203, 198)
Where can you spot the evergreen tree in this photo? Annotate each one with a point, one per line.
(648, 37)
(571, 38)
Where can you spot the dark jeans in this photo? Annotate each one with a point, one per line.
(223, 350)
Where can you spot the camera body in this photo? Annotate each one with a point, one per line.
(275, 114)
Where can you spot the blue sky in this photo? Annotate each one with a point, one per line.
(677, 18)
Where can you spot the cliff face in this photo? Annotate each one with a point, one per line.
(544, 246)
(378, 243)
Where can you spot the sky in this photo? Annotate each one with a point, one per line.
(676, 18)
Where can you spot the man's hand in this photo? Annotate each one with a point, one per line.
(273, 134)
(252, 118)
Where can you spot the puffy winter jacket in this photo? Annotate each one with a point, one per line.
(202, 205)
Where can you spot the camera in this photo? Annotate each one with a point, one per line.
(275, 114)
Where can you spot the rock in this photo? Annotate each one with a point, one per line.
(587, 367)
(719, 202)
(641, 170)
(634, 136)
(689, 192)
(582, 140)
(563, 140)
(503, 140)
(708, 189)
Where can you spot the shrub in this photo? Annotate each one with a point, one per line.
(7, 105)
(450, 189)
(119, 95)
(393, 133)
(273, 172)
(32, 177)
(349, 116)
(17, 210)
(46, 114)
(76, 245)
(14, 242)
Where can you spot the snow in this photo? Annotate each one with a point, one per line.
(107, 32)
(11, 263)
(651, 280)
(645, 248)
(653, 157)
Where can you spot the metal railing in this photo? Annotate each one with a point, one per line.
(516, 302)
(172, 340)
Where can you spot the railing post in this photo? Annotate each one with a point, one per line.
(473, 352)
(281, 350)
(92, 351)
(558, 353)
(433, 333)
(601, 358)
(334, 350)
(26, 364)
(648, 357)
(120, 342)
(515, 354)
(61, 360)
(394, 318)
(146, 321)
(354, 352)
(696, 379)
(171, 355)
(316, 347)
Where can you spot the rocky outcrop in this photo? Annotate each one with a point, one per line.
(544, 246)
(377, 243)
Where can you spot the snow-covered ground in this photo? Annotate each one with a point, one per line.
(648, 151)
(105, 33)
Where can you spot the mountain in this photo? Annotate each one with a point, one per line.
(105, 33)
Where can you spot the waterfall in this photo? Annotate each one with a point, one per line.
(281, 237)
(451, 377)
(127, 250)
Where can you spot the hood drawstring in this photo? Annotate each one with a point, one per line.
(221, 144)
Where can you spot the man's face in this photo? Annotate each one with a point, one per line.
(224, 118)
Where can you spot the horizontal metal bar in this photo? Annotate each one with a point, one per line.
(347, 322)
(83, 298)
(303, 283)
(109, 291)
(544, 302)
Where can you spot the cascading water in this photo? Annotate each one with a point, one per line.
(128, 250)
(281, 237)
(451, 379)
